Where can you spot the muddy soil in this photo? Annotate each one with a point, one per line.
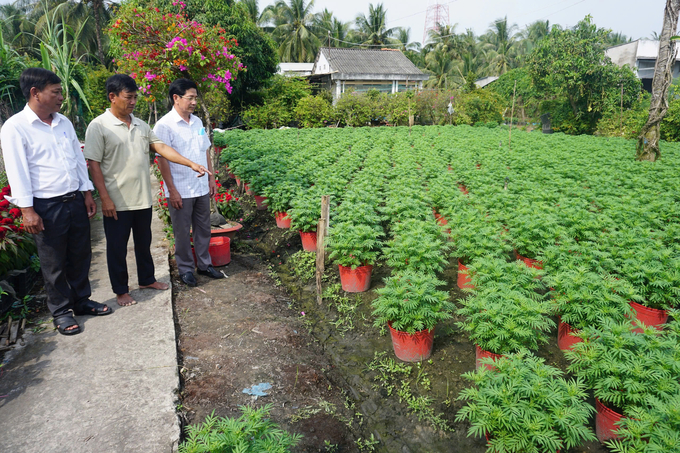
(245, 330)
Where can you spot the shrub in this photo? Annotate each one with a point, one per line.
(525, 405)
(411, 302)
(252, 432)
(314, 111)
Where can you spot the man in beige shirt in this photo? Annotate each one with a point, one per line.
(117, 146)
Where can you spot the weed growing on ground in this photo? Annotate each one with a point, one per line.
(346, 309)
(366, 444)
(397, 377)
(303, 265)
(274, 276)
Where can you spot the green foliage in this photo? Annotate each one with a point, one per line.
(355, 109)
(305, 213)
(525, 405)
(303, 265)
(670, 126)
(655, 427)
(480, 106)
(313, 111)
(416, 246)
(11, 66)
(625, 368)
(505, 314)
(95, 90)
(354, 244)
(526, 96)
(251, 432)
(280, 98)
(570, 64)
(629, 123)
(411, 302)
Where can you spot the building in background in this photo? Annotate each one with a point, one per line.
(641, 56)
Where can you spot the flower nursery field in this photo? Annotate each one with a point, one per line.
(553, 231)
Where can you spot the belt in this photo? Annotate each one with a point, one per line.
(63, 198)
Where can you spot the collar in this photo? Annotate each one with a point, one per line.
(175, 116)
(32, 117)
(116, 121)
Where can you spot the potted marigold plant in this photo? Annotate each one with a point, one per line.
(625, 368)
(505, 313)
(417, 246)
(526, 406)
(279, 197)
(305, 213)
(411, 306)
(355, 248)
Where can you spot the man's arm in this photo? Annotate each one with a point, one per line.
(173, 156)
(108, 207)
(174, 197)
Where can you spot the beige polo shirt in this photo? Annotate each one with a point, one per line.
(123, 155)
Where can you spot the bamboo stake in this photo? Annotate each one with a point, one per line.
(512, 114)
(321, 233)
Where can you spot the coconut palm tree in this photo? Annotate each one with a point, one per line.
(501, 40)
(373, 28)
(533, 34)
(441, 67)
(295, 30)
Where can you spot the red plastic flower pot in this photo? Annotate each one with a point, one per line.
(463, 277)
(480, 354)
(238, 180)
(530, 262)
(441, 220)
(355, 280)
(649, 316)
(412, 347)
(261, 203)
(247, 188)
(308, 241)
(228, 232)
(463, 189)
(282, 220)
(565, 336)
(605, 422)
(219, 249)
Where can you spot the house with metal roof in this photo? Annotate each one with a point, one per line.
(641, 56)
(341, 70)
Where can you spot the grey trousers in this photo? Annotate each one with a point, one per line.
(195, 212)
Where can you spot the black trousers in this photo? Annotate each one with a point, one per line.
(117, 236)
(64, 250)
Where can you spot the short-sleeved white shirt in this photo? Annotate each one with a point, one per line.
(191, 141)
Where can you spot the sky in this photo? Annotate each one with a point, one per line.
(634, 18)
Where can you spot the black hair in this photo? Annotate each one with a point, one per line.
(36, 77)
(179, 87)
(120, 82)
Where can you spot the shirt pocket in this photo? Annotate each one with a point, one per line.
(70, 157)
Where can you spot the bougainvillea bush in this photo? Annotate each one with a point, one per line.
(16, 246)
(155, 48)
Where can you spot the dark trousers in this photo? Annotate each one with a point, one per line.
(64, 250)
(195, 212)
(117, 236)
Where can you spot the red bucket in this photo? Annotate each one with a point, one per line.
(530, 262)
(565, 336)
(282, 220)
(463, 277)
(308, 241)
(480, 354)
(219, 249)
(355, 280)
(261, 203)
(605, 420)
(412, 347)
(649, 316)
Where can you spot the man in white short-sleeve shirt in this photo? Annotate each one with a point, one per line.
(188, 197)
(49, 182)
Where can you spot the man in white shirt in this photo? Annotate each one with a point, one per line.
(117, 146)
(48, 176)
(189, 198)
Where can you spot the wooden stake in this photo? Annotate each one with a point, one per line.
(621, 114)
(321, 233)
(512, 114)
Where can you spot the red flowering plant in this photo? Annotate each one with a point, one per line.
(155, 48)
(16, 246)
(227, 203)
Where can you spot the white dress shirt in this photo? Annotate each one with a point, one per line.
(191, 141)
(42, 160)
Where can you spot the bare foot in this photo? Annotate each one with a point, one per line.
(156, 285)
(125, 300)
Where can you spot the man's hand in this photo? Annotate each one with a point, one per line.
(108, 208)
(90, 205)
(32, 221)
(200, 169)
(175, 199)
(213, 186)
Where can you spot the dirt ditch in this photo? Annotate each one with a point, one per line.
(333, 374)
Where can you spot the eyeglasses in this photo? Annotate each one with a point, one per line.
(189, 98)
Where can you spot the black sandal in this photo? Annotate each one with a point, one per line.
(93, 308)
(63, 322)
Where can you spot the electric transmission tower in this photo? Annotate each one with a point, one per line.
(437, 15)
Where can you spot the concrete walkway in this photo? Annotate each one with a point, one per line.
(112, 388)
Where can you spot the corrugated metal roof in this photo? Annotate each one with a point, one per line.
(369, 61)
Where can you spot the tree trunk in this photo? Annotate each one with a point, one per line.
(96, 5)
(648, 141)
